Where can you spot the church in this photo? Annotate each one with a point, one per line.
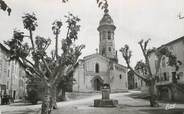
(102, 67)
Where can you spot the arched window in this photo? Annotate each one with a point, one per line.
(103, 51)
(165, 76)
(97, 68)
(163, 62)
(120, 76)
(109, 35)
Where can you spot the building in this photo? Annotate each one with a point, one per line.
(134, 82)
(17, 85)
(12, 75)
(170, 84)
(4, 70)
(102, 67)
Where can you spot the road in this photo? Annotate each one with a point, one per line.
(127, 105)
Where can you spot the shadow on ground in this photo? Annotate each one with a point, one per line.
(164, 111)
(19, 112)
(21, 104)
(138, 95)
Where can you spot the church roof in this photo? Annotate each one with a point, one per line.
(122, 66)
(106, 21)
(95, 55)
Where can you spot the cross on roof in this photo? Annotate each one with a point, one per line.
(106, 7)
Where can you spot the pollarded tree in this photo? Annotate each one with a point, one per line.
(149, 77)
(39, 64)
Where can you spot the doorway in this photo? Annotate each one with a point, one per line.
(97, 84)
(174, 79)
(14, 94)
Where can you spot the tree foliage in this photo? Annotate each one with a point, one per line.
(141, 66)
(103, 4)
(35, 90)
(5, 7)
(30, 21)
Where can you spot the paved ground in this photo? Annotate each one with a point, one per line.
(127, 105)
(18, 108)
(22, 108)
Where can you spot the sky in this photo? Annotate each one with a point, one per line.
(134, 19)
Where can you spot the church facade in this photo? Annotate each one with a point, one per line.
(102, 67)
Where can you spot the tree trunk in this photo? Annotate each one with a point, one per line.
(31, 37)
(63, 93)
(173, 90)
(46, 103)
(53, 98)
(56, 48)
(152, 92)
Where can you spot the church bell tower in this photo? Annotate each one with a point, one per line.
(106, 31)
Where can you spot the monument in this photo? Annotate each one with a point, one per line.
(105, 101)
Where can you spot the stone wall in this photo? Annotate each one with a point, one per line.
(86, 73)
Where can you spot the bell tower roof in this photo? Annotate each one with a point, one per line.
(106, 20)
(106, 29)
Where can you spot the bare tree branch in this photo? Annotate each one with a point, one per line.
(158, 65)
(139, 75)
(46, 65)
(59, 73)
(32, 69)
(144, 51)
(127, 55)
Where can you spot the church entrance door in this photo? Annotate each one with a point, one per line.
(97, 84)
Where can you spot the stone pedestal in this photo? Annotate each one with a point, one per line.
(105, 101)
(105, 93)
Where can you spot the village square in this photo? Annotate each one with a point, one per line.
(91, 57)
